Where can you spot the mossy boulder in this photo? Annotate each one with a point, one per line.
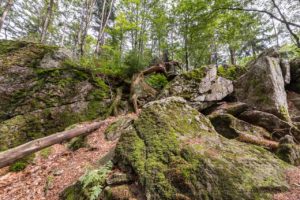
(231, 127)
(201, 87)
(273, 124)
(176, 154)
(263, 86)
(42, 93)
(295, 75)
(117, 128)
(289, 151)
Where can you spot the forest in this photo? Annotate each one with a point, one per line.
(150, 99)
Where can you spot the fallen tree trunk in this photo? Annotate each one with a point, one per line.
(10, 156)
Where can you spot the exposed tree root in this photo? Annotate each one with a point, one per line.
(269, 144)
(113, 110)
(140, 89)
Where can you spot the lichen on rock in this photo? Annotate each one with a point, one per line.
(263, 86)
(176, 154)
(41, 94)
(201, 87)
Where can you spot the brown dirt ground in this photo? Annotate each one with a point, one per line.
(47, 177)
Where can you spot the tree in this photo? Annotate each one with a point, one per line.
(7, 8)
(106, 10)
(47, 20)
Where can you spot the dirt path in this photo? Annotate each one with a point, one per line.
(50, 174)
(293, 177)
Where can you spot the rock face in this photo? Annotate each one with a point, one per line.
(176, 154)
(263, 85)
(279, 128)
(295, 75)
(116, 129)
(42, 93)
(201, 87)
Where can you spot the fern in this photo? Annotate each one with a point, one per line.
(93, 181)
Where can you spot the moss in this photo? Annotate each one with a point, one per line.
(22, 53)
(77, 143)
(157, 81)
(53, 98)
(21, 164)
(45, 153)
(231, 72)
(196, 74)
(175, 152)
(284, 113)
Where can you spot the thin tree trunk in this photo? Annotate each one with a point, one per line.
(103, 25)
(232, 56)
(7, 8)
(47, 21)
(294, 35)
(10, 156)
(88, 17)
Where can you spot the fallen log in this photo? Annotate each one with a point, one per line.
(10, 156)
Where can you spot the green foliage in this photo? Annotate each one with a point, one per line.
(93, 181)
(134, 62)
(231, 72)
(196, 74)
(290, 51)
(21, 164)
(157, 81)
(77, 143)
(45, 153)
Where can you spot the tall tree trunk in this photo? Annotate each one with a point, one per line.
(294, 35)
(232, 56)
(7, 8)
(47, 20)
(104, 21)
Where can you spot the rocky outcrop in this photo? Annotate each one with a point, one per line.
(233, 128)
(201, 87)
(295, 75)
(176, 154)
(289, 151)
(42, 92)
(276, 126)
(262, 87)
(116, 129)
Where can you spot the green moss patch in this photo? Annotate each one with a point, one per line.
(176, 154)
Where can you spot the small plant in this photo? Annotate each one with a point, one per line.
(21, 164)
(157, 81)
(77, 143)
(93, 181)
(45, 153)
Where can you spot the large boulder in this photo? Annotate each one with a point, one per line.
(176, 154)
(263, 86)
(278, 127)
(201, 87)
(295, 75)
(42, 92)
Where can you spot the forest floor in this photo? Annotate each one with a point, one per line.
(49, 175)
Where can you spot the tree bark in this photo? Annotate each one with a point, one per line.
(139, 87)
(103, 25)
(47, 21)
(288, 26)
(232, 56)
(7, 8)
(10, 156)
